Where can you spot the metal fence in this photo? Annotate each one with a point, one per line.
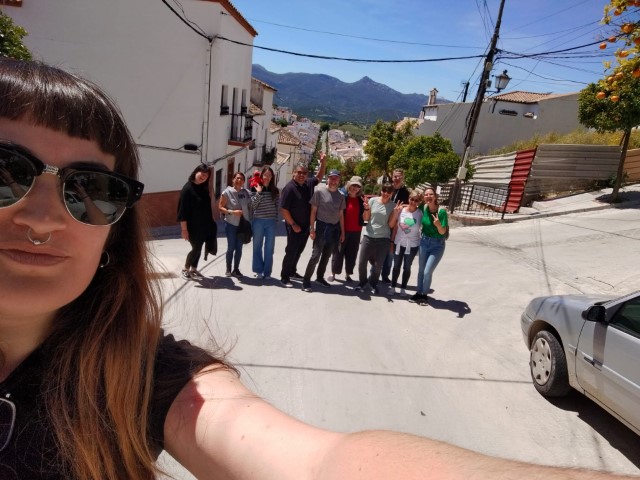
(477, 199)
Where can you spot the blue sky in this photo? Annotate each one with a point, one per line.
(426, 29)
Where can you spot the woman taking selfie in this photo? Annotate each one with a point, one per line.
(90, 387)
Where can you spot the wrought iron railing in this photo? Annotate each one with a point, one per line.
(241, 127)
(477, 199)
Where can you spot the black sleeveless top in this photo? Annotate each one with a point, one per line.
(32, 452)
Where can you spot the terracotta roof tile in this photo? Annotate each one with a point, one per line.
(255, 110)
(519, 96)
(286, 138)
(265, 85)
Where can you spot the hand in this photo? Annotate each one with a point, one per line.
(258, 188)
(366, 206)
(322, 156)
(398, 208)
(312, 234)
(6, 176)
(342, 237)
(296, 228)
(436, 220)
(185, 235)
(237, 213)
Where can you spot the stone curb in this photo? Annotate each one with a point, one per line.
(469, 220)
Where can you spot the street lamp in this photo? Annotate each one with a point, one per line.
(502, 81)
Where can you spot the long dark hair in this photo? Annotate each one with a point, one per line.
(200, 168)
(97, 384)
(275, 191)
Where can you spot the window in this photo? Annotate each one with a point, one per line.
(234, 101)
(243, 102)
(224, 100)
(511, 113)
(628, 317)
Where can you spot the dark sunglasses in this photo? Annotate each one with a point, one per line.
(91, 195)
(7, 420)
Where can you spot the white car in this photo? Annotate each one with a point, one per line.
(591, 344)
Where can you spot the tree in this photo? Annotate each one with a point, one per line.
(384, 139)
(426, 159)
(11, 36)
(325, 127)
(613, 104)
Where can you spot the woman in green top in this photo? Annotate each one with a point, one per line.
(434, 227)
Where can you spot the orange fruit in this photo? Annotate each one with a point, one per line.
(627, 28)
(623, 53)
(618, 76)
(636, 73)
(603, 45)
(600, 95)
(611, 39)
(617, 12)
(615, 98)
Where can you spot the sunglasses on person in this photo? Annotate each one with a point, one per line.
(7, 420)
(91, 195)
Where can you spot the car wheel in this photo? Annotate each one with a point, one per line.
(548, 365)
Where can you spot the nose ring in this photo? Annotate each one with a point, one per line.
(36, 241)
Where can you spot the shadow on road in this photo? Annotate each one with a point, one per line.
(456, 306)
(615, 432)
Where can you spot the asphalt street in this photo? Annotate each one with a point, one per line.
(456, 370)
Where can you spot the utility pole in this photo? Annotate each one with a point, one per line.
(475, 110)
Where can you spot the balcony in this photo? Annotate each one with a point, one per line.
(241, 128)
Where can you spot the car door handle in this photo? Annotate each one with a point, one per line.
(592, 362)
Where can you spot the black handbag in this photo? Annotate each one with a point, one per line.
(244, 233)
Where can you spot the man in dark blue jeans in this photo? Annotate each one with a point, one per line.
(326, 228)
(296, 211)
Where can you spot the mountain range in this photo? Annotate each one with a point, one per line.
(324, 98)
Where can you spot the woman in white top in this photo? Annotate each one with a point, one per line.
(406, 237)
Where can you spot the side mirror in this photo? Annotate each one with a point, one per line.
(595, 313)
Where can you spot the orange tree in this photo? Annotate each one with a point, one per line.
(613, 103)
(11, 36)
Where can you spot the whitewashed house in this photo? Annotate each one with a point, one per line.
(504, 119)
(182, 83)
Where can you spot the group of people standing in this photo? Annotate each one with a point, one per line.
(383, 233)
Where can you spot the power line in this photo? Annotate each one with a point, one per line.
(337, 34)
(359, 60)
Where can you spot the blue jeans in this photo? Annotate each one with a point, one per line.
(431, 252)
(234, 246)
(264, 242)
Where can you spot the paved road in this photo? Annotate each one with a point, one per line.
(455, 370)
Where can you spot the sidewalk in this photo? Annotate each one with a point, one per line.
(629, 197)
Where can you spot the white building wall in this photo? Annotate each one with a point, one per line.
(154, 67)
(559, 114)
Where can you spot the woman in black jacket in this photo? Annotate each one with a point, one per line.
(196, 220)
(347, 251)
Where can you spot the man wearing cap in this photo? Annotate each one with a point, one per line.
(326, 229)
(295, 209)
(347, 251)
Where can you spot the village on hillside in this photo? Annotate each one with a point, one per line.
(230, 121)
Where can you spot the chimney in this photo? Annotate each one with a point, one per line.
(433, 94)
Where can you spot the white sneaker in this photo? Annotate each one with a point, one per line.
(403, 293)
(331, 278)
(258, 276)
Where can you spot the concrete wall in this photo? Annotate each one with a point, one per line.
(632, 165)
(557, 114)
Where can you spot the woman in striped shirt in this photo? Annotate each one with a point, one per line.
(264, 205)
